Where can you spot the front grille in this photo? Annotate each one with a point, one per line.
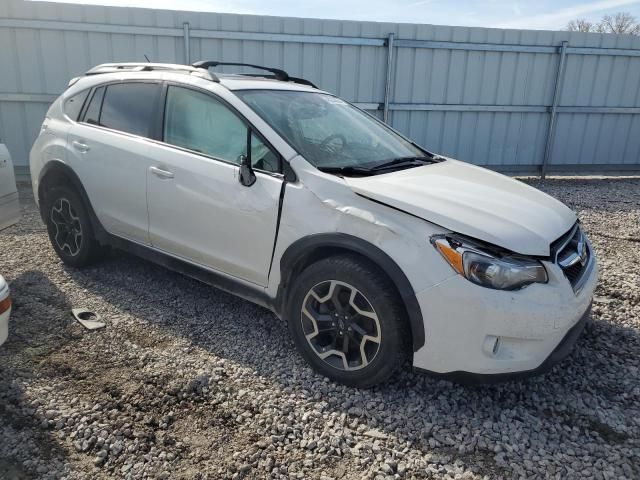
(573, 273)
(573, 255)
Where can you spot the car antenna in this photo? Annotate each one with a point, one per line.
(145, 56)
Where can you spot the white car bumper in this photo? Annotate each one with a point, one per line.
(5, 310)
(475, 333)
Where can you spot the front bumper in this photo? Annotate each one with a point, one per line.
(563, 350)
(475, 334)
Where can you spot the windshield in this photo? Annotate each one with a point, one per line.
(327, 131)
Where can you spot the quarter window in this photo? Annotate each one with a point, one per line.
(262, 157)
(198, 122)
(73, 106)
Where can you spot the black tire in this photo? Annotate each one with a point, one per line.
(349, 273)
(65, 207)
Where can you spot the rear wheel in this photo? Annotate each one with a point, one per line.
(69, 227)
(347, 321)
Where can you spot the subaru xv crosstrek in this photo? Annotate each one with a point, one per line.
(375, 250)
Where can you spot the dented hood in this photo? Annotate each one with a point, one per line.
(473, 201)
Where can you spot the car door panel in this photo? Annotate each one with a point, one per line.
(113, 171)
(198, 209)
(203, 214)
(109, 150)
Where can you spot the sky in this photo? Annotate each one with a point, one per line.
(525, 14)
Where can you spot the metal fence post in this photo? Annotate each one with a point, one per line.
(554, 107)
(187, 43)
(387, 86)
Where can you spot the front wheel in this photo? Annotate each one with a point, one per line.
(347, 321)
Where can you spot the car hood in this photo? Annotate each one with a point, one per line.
(473, 201)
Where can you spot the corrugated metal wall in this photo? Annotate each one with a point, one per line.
(482, 95)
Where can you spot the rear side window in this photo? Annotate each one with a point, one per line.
(73, 106)
(92, 115)
(129, 107)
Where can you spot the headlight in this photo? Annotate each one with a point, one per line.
(502, 272)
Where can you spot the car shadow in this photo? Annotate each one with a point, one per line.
(30, 221)
(37, 329)
(411, 406)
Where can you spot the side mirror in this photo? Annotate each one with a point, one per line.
(247, 177)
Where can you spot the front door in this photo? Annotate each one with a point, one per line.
(198, 209)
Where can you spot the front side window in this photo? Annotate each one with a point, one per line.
(328, 131)
(129, 107)
(198, 122)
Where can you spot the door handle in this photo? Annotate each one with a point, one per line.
(81, 147)
(161, 173)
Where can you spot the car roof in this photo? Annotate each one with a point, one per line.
(187, 75)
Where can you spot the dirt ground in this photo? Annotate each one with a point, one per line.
(188, 382)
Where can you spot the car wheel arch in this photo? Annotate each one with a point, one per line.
(312, 248)
(55, 173)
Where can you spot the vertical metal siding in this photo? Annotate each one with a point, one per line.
(486, 105)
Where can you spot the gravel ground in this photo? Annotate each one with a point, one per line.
(189, 382)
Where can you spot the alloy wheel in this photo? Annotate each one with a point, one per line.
(68, 234)
(340, 325)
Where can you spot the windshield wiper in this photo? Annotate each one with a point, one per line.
(350, 170)
(390, 164)
(405, 161)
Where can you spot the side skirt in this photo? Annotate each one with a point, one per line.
(209, 277)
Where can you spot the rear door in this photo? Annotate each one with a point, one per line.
(198, 209)
(108, 149)
(9, 206)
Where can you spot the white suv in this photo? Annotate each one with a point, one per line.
(375, 250)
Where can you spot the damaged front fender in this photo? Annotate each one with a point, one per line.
(298, 253)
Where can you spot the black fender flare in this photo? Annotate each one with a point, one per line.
(300, 252)
(51, 174)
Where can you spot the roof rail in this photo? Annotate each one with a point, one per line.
(144, 67)
(301, 81)
(278, 74)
